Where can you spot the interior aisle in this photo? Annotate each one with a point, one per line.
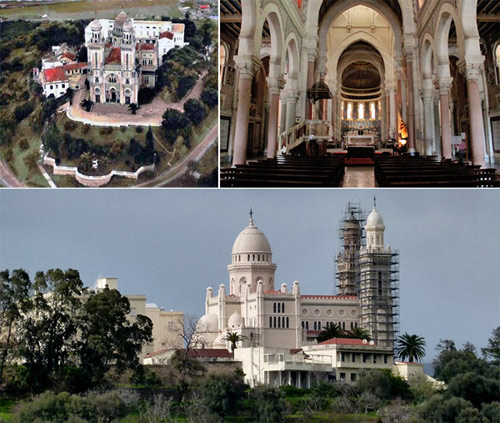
(359, 177)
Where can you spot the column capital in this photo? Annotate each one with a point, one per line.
(410, 54)
(247, 66)
(444, 85)
(312, 54)
(275, 85)
(471, 70)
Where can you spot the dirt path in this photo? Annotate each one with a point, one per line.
(196, 154)
(7, 178)
(148, 115)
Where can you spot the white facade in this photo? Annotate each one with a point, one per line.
(283, 318)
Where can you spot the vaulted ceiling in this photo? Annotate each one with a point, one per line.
(327, 4)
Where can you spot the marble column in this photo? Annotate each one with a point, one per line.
(247, 69)
(283, 112)
(334, 112)
(392, 114)
(410, 102)
(428, 98)
(291, 106)
(444, 98)
(472, 71)
(437, 125)
(275, 85)
(310, 80)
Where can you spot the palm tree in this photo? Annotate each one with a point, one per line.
(359, 333)
(411, 347)
(332, 330)
(234, 338)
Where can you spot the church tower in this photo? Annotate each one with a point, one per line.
(251, 262)
(129, 82)
(95, 54)
(351, 234)
(379, 283)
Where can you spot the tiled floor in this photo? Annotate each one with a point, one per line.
(359, 177)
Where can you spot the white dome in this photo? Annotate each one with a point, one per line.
(96, 25)
(128, 26)
(375, 220)
(235, 320)
(120, 19)
(208, 323)
(251, 240)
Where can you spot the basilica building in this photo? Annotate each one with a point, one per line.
(285, 318)
(318, 77)
(124, 54)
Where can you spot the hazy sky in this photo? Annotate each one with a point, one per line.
(172, 244)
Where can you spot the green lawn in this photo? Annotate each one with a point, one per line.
(6, 405)
(87, 9)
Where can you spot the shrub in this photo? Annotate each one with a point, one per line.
(109, 406)
(24, 144)
(139, 129)
(222, 393)
(86, 129)
(268, 405)
(70, 125)
(23, 111)
(384, 385)
(56, 408)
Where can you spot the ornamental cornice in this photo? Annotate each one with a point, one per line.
(251, 266)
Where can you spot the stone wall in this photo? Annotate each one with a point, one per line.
(93, 181)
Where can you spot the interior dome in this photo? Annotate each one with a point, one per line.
(251, 240)
(96, 25)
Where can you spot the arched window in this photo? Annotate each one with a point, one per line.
(314, 325)
(270, 322)
(283, 321)
(279, 322)
(274, 321)
(283, 307)
(287, 322)
(279, 307)
(379, 283)
(274, 308)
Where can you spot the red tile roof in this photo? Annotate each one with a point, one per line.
(74, 66)
(115, 56)
(54, 75)
(345, 341)
(330, 297)
(69, 55)
(147, 46)
(167, 34)
(202, 352)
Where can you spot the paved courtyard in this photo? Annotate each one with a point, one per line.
(116, 114)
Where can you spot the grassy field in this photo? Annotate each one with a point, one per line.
(88, 9)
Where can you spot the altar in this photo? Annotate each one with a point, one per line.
(355, 140)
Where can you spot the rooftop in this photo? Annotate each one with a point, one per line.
(54, 75)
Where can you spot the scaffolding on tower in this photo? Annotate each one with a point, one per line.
(351, 240)
(371, 298)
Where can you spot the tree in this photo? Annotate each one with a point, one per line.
(149, 146)
(222, 393)
(133, 108)
(182, 362)
(108, 337)
(383, 384)
(51, 139)
(175, 123)
(210, 97)
(411, 347)
(31, 160)
(492, 351)
(194, 111)
(268, 405)
(185, 85)
(396, 412)
(14, 292)
(331, 331)
(46, 335)
(86, 104)
(234, 338)
(23, 111)
(474, 388)
(358, 333)
(85, 161)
